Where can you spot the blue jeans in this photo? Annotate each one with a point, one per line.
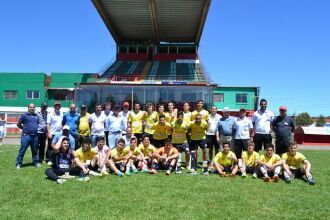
(113, 139)
(26, 141)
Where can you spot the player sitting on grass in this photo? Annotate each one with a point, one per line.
(120, 157)
(296, 165)
(269, 164)
(225, 161)
(62, 164)
(248, 162)
(136, 159)
(147, 149)
(165, 158)
(101, 161)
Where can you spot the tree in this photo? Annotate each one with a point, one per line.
(320, 121)
(304, 119)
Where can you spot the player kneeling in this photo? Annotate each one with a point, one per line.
(136, 159)
(296, 165)
(120, 156)
(248, 162)
(165, 158)
(269, 164)
(147, 150)
(225, 161)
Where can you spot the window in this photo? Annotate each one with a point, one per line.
(9, 95)
(63, 95)
(241, 98)
(32, 94)
(218, 97)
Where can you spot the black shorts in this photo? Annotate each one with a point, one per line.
(182, 147)
(261, 139)
(212, 141)
(163, 166)
(159, 143)
(250, 169)
(198, 143)
(297, 173)
(226, 169)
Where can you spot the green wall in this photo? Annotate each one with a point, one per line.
(230, 97)
(21, 82)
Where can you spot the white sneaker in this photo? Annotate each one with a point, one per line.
(49, 163)
(60, 181)
(18, 167)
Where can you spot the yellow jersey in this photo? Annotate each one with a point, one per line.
(179, 132)
(136, 121)
(150, 120)
(136, 151)
(147, 150)
(270, 160)
(83, 156)
(204, 113)
(187, 116)
(294, 162)
(161, 131)
(225, 160)
(117, 153)
(198, 131)
(250, 160)
(84, 129)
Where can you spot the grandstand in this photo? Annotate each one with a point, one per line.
(157, 42)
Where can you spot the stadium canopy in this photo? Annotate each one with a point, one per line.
(154, 21)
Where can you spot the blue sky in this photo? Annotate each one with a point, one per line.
(282, 46)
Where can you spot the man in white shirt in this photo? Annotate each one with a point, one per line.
(211, 137)
(243, 130)
(97, 123)
(124, 114)
(262, 120)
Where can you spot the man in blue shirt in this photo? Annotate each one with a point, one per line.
(28, 122)
(71, 119)
(65, 132)
(116, 126)
(225, 129)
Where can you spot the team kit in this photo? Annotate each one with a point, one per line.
(116, 140)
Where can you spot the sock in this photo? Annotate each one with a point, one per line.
(205, 166)
(178, 164)
(170, 168)
(193, 160)
(144, 166)
(133, 166)
(128, 166)
(277, 170)
(263, 171)
(286, 176)
(240, 165)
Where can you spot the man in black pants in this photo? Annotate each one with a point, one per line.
(62, 164)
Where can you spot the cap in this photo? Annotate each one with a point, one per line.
(226, 109)
(83, 106)
(66, 127)
(126, 104)
(44, 104)
(283, 108)
(242, 110)
(57, 103)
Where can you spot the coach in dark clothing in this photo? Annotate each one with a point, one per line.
(28, 122)
(283, 125)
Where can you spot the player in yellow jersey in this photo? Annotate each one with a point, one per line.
(171, 115)
(161, 130)
(135, 121)
(147, 149)
(225, 161)
(136, 159)
(120, 156)
(296, 165)
(179, 139)
(165, 158)
(200, 110)
(248, 162)
(198, 139)
(150, 119)
(85, 155)
(83, 124)
(161, 111)
(186, 112)
(269, 164)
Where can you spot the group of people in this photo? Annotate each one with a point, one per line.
(117, 140)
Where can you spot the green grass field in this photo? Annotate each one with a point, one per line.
(26, 193)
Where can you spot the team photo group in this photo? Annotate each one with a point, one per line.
(119, 141)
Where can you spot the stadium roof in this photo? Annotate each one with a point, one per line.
(154, 21)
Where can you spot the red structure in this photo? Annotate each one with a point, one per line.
(312, 135)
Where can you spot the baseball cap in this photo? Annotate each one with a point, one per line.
(283, 108)
(66, 127)
(126, 104)
(226, 109)
(83, 106)
(242, 110)
(57, 103)
(44, 104)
